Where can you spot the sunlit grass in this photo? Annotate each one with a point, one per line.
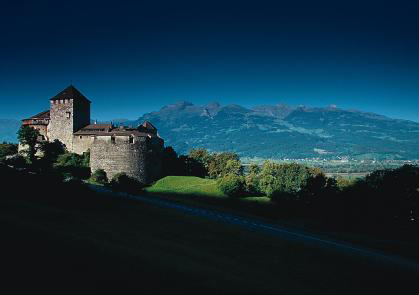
(187, 185)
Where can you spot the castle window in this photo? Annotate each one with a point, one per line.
(68, 115)
(131, 139)
(113, 139)
(81, 137)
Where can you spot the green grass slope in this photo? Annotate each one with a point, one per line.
(186, 185)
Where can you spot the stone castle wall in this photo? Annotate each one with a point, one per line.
(81, 143)
(138, 157)
(61, 122)
(43, 130)
(67, 116)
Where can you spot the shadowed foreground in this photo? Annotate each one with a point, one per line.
(69, 238)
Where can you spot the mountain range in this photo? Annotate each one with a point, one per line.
(276, 131)
(281, 131)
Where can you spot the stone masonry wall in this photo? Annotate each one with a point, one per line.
(67, 117)
(61, 122)
(135, 159)
(81, 143)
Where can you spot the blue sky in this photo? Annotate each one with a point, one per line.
(132, 57)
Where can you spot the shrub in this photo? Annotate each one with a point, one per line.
(99, 176)
(123, 182)
(232, 185)
(16, 161)
(72, 165)
(7, 149)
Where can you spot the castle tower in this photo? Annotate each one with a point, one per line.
(69, 112)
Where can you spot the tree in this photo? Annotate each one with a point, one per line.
(217, 166)
(99, 176)
(28, 137)
(254, 169)
(198, 162)
(51, 151)
(171, 162)
(291, 181)
(201, 155)
(232, 185)
(233, 167)
(252, 179)
(393, 193)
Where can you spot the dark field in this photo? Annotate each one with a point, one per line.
(67, 238)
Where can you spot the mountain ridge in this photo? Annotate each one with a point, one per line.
(282, 131)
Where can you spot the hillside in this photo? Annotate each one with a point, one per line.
(281, 131)
(71, 238)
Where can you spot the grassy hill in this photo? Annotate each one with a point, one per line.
(187, 185)
(205, 192)
(67, 237)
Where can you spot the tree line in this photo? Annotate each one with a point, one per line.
(382, 198)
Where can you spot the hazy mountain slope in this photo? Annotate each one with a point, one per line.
(284, 132)
(8, 130)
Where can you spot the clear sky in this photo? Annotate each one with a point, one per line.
(132, 57)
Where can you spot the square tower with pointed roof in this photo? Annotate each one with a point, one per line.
(69, 112)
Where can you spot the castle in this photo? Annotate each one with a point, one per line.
(135, 151)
